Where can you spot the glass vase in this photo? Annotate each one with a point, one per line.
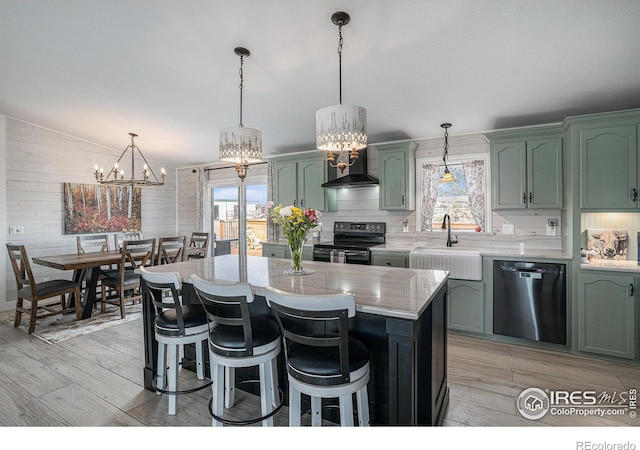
(295, 247)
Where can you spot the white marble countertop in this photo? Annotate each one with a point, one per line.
(612, 265)
(386, 291)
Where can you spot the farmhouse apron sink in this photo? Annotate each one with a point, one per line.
(462, 263)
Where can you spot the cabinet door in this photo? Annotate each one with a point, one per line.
(311, 175)
(393, 180)
(285, 183)
(509, 175)
(606, 315)
(466, 306)
(544, 173)
(390, 259)
(608, 168)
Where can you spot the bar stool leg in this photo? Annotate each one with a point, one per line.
(362, 400)
(172, 377)
(199, 360)
(273, 373)
(161, 368)
(316, 411)
(294, 406)
(266, 389)
(229, 387)
(218, 388)
(346, 411)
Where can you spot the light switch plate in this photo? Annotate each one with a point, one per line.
(508, 228)
(16, 229)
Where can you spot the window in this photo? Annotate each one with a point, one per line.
(465, 199)
(453, 199)
(225, 213)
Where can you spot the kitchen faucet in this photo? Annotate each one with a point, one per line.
(446, 224)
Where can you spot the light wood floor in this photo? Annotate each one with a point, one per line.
(96, 380)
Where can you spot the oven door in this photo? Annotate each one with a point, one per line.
(357, 257)
(321, 253)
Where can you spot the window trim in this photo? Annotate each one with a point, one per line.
(458, 159)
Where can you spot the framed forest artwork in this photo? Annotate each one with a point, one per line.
(97, 208)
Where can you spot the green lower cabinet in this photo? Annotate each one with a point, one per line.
(606, 314)
(466, 305)
(275, 250)
(282, 251)
(390, 259)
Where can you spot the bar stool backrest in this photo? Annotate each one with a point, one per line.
(314, 321)
(156, 286)
(227, 304)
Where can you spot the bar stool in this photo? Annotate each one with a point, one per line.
(239, 340)
(175, 325)
(322, 360)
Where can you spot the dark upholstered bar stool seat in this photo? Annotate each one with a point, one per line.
(175, 325)
(238, 339)
(323, 361)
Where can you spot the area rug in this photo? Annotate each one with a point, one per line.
(62, 327)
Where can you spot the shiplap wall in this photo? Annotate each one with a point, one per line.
(37, 163)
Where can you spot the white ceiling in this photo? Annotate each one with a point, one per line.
(166, 69)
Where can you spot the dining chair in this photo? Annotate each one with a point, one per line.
(199, 246)
(239, 339)
(322, 360)
(171, 249)
(37, 293)
(175, 325)
(124, 284)
(119, 238)
(92, 244)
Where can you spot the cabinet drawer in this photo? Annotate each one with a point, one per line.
(390, 260)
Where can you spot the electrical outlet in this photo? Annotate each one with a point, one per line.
(552, 227)
(16, 229)
(508, 228)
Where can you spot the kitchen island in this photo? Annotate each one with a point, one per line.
(401, 317)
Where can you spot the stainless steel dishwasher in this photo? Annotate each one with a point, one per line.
(529, 301)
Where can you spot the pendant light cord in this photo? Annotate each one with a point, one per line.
(340, 60)
(241, 86)
(446, 147)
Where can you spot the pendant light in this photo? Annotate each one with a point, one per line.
(239, 144)
(447, 177)
(341, 129)
(116, 176)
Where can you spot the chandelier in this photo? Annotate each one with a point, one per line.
(341, 129)
(116, 175)
(447, 177)
(239, 144)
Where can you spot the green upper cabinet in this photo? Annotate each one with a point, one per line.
(526, 169)
(397, 172)
(298, 181)
(609, 168)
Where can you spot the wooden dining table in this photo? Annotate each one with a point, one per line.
(86, 267)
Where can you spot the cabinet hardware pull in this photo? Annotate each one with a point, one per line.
(524, 198)
(301, 203)
(294, 203)
(634, 195)
(403, 199)
(631, 289)
(530, 197)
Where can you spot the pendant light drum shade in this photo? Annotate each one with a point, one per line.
(240, 144)
(341, 128)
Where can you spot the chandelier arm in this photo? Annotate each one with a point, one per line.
(113, 167)
(146, 162)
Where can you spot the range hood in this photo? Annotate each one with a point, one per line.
(357, 176)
